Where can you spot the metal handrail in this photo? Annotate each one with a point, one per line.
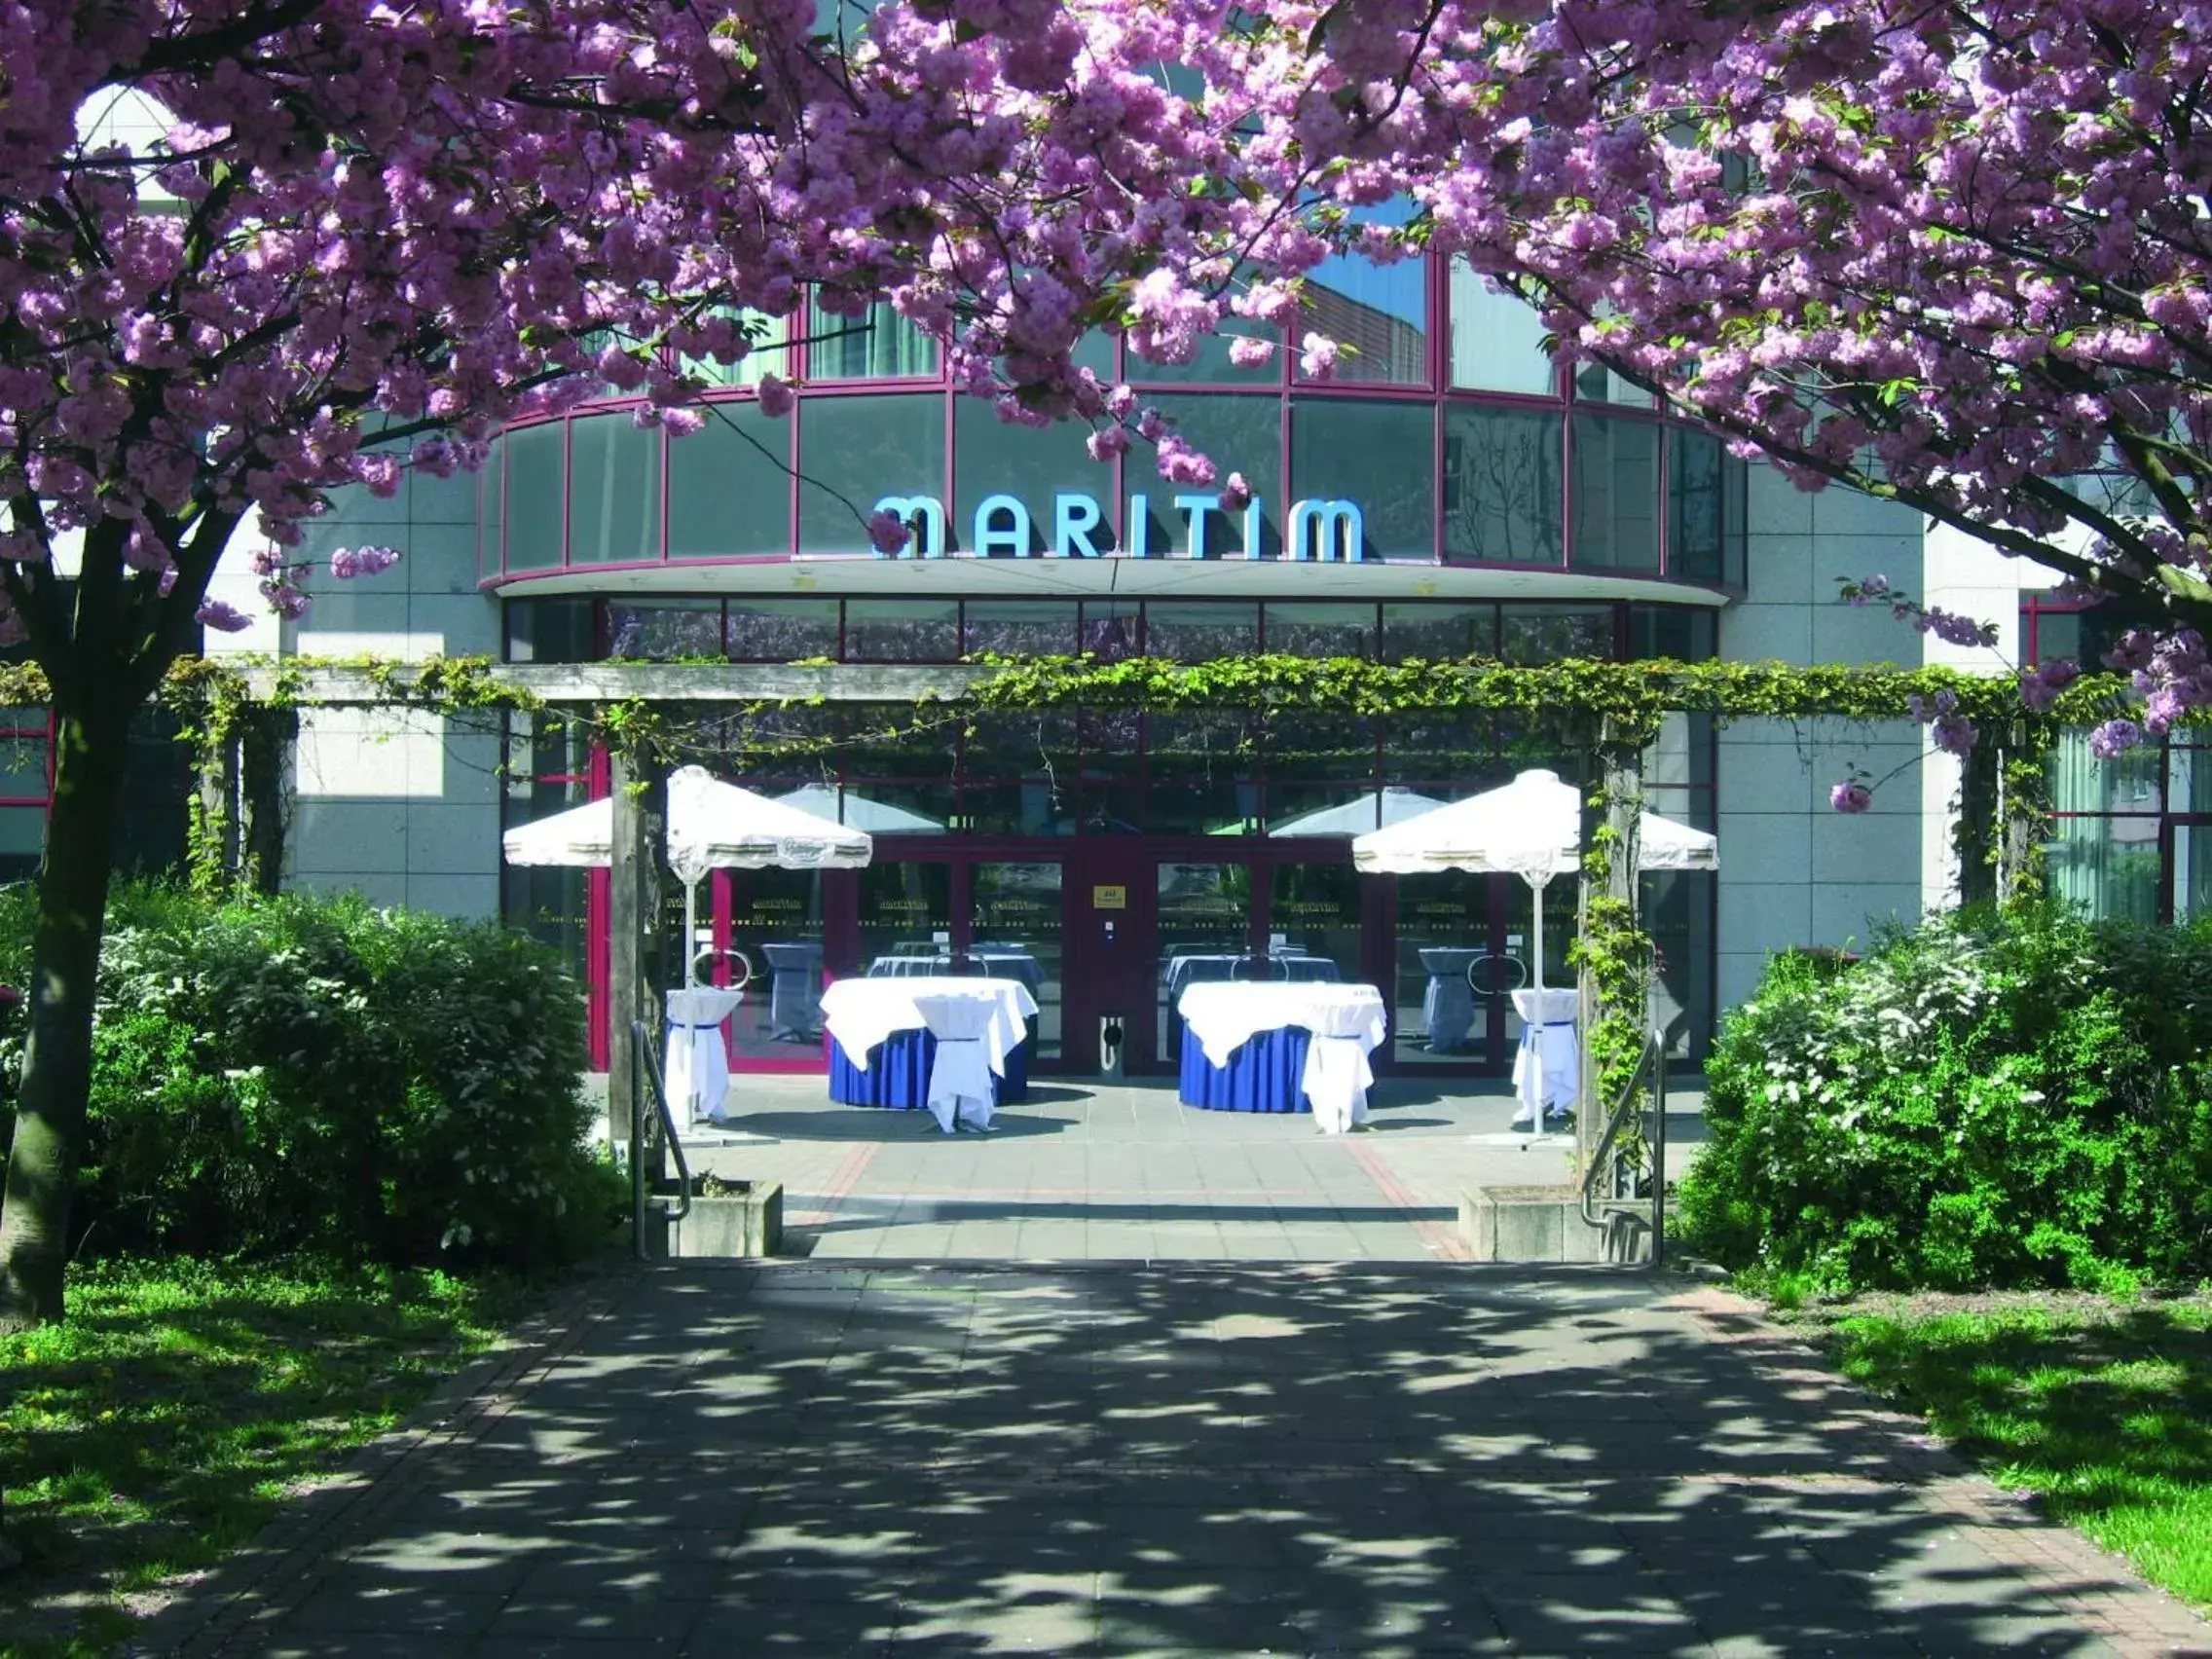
(646, 1081)
(1647, 1061)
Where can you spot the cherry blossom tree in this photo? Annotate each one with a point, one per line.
(357, 237)
(1956, 255)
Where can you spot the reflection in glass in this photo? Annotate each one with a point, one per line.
(1377, 313)
(1700, 521)
(1017, 935)
(901, 630)
(2109, 866)
(535, 496)
(905, 917)
(1201, 632)
(1502, 498)
(729, 485)
(1439, 631)
(776, 921)
(1203, 774)
(877, 344)
(1616, 493)
(672, 628)
(855, 451)
(1019, 627)
(1313, 922)
(1546, 633)
(781, 630)
(1497, 341)
(1035, 465)
(1677, 910)
(1320, 630)
(1448, 987)
(1376, 456)
(1204, 932)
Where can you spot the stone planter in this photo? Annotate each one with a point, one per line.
(748, 1223)
(1544, 1224)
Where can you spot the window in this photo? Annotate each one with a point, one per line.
(1379, 458)
(1700, 516)
(780, 630)
(1237, 434)
(1320, 630)
(901, 630)
(1019, 627)
(1035, 466)
(770, 353)
(1616, 493)
(670, 628)
(855, 451)
(1377, 313)
(551, 630)
(729, 487)
(1546, 633)
(877, 344)
(613, 491)
(1497, 340)
(1501, 486)
(1201, 632)
(535, 496)
(1439, 631)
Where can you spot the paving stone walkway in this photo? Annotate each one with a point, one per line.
(1089, 1171)
(1183, 1460)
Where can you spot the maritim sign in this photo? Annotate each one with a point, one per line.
(1003, 528)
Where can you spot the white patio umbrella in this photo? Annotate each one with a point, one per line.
(1530, 827)
(711, 825)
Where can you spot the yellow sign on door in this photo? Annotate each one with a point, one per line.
(1109, 898)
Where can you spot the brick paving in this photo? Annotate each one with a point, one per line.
(1186, 1458)
(1086, 1171)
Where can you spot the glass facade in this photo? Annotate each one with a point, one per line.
(1445, 435)
(1112, 855)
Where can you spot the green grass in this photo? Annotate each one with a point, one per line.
(179, 1405)
(2102, 1409)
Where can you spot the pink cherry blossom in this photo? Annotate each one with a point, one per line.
(218, 614)
(887, 531)
(1851, 797)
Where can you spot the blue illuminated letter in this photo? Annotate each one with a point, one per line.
(1334, 529)
(1140, 529)
(1013, 536)
(1252, 529)
(1196, 508)
(1074, 518)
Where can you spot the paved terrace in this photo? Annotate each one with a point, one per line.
(1085, 1171)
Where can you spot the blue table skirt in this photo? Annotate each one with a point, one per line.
(898, 1074)
(1261, 1075)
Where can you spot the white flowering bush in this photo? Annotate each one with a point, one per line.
(1990, 1098)
(309, 1074)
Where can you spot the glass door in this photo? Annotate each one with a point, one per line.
(1016, 931)
(774, 918)
(1203, 931)
(1454, 965)
(904, 922)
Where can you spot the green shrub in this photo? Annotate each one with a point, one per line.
(309, 1074)
(2008, 1098)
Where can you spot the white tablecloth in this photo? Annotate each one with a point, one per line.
(1547, 1069)
(696, 1076)
(1348, 1023)
(960, 1070)
(862, 1012)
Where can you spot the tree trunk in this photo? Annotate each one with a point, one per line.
(90, 749)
